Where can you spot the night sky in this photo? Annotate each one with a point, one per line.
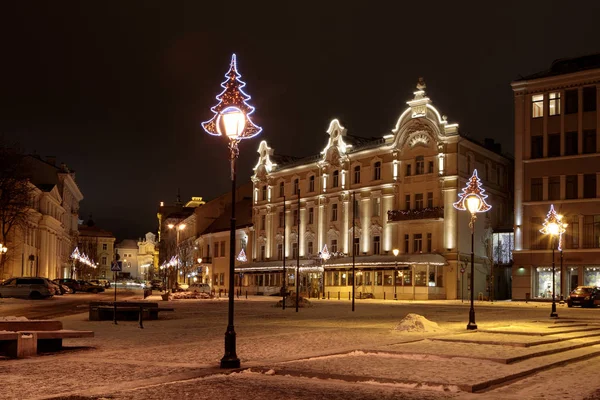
(117, 89)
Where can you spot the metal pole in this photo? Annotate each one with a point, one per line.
(472, 325)
(353, 252)
(115, 302)
(298, 256)
(283, 284)
(562, 289)
(395, 277)
(553, 314)
(230, 359)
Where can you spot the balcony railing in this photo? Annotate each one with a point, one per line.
(423, 213)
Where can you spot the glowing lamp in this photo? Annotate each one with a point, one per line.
(473, 202)
(171, 226)
(199, 261)
(181, 227)
(395, 251)
(231, 122)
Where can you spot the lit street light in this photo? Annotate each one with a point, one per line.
(395, 251)
(232, 122)
(554, 226)
(178, 228)
(472, 199)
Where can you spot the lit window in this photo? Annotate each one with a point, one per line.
(554, 103)
(537, 106)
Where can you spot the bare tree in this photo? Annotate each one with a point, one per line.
(15, 196)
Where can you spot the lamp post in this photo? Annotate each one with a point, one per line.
(232, 122)
(554, 226)
(472, 199)
(178, 228)
(395, 251)
(3, 249)
(325, 255)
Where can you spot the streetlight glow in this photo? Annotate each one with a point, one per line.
(396, 251)
(554, 226)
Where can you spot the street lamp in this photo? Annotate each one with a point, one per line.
(472, 199)
(3, 249)
(325, 255)
(232, 122)
(178, 227)
(554, 226)
(395, 251)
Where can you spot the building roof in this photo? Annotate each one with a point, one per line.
(127, 244)
(566, 66)
(93, 231)
(243, 217)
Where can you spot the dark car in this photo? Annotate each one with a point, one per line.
(584, 296)
(86, 286)
(72, 284)
(157, 284)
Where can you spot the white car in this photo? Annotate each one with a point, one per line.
(200, 287)
(27, 287)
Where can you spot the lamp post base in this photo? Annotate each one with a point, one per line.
(230, 359)
(553, 314)
(471, 326)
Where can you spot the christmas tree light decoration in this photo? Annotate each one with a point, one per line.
(472, 198)
(554, 226)
(76, 255)
(325, 254)
(242, 256)
(232, 114)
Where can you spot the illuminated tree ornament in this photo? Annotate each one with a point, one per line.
(231, 101)
(325, 254)
(242, 256)
(76, 255)
(472, 198)
(553, 225)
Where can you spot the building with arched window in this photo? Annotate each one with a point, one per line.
(371, 196)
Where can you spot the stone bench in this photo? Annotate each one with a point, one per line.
(126, 311)
(28, 338)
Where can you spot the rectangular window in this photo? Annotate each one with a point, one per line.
(417, 243)
(589, 98)
(571, 143)
(262, 253)
(406, 244)
(537, 146)
(554, 103)
(419, 201)
(264, 192)
(216, 249)
(589, 141)
(377, 206)
(536, 242)
(281, 219)
(537, 106)
(216, 279)
(281, 189)
(571, 102)
(377, 171)
(309, 248)
(296, 183)
(104, 246)
(334, 210)
(334, 248)
(378, 278)
(571, 187)
(572, 234)
(311, 184)
(591, 231)
(554, 145)
(263, 222)
(356, 246)
(311, 215)
(554, 188)
(336, 178)
(295, 217)
(429, 199)
(407, 202)
(295, 250)
(420, 166)
(408, 170)
(430, 167)
(357, 174)
(429, 242)
(589, 186)
(103, 260)
(222, 278)
(376, 244)
(280, 251)
(223, 249)
(357, 208)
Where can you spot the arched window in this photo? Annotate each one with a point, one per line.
(377, 171)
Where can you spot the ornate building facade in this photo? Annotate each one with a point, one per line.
(368, 197)
(557, 162)
(99, 245)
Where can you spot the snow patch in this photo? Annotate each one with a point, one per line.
(417, 323)
(13, 318)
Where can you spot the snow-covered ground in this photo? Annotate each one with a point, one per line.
(326, 351)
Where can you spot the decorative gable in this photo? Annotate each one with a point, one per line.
(264, 166)
(335, 151)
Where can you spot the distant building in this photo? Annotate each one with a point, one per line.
(557, 161)
(98, 244)
(127, 250)
(43, 245)
(147, 260)
(403, 186)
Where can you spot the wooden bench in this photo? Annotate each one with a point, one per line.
(126, 311)
(19, 341)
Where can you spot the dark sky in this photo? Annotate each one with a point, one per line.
(117, 89)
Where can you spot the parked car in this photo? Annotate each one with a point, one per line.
(105, 283)
(72, 284)
(87, 286)
(584, 296)
(57, 287)
(26, 287)
(157, 284)
(199, 287)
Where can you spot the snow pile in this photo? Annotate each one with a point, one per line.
(417, 323)
(290, 301)
(13, 318)
(192, 295)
